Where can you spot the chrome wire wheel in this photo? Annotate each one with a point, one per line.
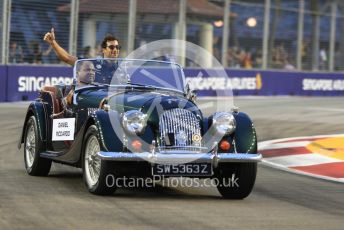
(95, 170)
(35, 165)
(30, 146)
(92, 160)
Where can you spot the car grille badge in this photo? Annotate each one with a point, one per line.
(196, 138)
(181, 138)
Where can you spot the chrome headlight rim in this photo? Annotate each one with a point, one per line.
(134, 122)
(224, 123)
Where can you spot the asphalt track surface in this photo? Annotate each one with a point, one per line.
(280, 200)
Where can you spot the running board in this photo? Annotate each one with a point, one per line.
(51, 154)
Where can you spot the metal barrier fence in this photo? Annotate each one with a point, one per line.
(266, 34)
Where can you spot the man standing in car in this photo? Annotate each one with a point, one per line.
(110, 49)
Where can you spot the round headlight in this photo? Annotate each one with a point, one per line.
(224, 123)
(134, 121)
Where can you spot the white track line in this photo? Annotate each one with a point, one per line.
(302, 160)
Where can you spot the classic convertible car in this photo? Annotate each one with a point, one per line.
(139, 119)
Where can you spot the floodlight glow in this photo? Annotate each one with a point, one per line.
(218, 23)
(251, 22)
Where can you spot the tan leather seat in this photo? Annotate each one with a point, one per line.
(56, 98)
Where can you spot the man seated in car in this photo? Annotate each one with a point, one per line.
(85, 73)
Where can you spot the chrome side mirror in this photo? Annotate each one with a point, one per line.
(191, 94)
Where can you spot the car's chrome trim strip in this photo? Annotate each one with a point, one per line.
(173, 157)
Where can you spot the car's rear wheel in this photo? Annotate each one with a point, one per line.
(236, 180)
(96, 172)
(33, 146)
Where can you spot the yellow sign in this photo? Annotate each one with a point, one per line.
(259, 81)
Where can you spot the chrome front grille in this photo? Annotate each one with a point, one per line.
(179, 128)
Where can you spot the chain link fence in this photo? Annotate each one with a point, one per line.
(267, 34)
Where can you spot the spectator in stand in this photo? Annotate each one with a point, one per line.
(230, 57)
(258, 60)
(322, 59)
(239, 55)
(216, 48)
(247, 60)
(86, 52)
(36, 54)
(288, 65)
(15, 53)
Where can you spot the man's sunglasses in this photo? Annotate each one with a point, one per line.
(112, 47)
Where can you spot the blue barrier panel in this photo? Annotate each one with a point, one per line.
(3, 83)
(24, 82)
(257, 82)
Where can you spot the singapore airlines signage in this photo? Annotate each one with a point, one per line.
(309, 84)
(224, 83)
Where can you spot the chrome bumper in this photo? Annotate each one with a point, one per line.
(176, 158)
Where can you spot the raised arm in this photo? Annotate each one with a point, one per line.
(61, 53)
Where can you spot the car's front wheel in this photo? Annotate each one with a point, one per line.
(96, 172)
(35, 165)
(236, 180)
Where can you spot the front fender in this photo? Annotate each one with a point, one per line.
(36, 109)
(105, 121)
(245, 134)
(112, 135)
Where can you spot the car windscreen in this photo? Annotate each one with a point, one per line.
(150, 73)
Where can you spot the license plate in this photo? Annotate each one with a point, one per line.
(190, 169)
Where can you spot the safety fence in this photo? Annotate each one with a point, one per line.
(268, 34)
